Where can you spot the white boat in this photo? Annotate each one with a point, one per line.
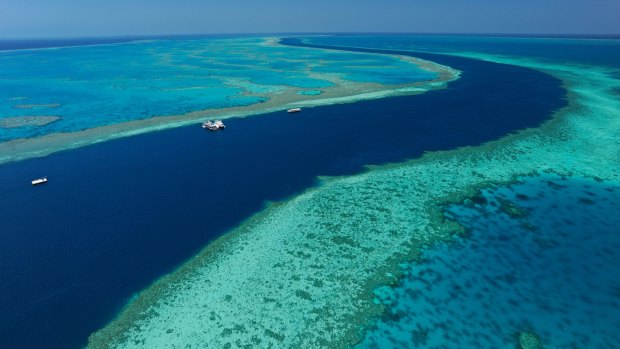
(39, 181)
(209, 125)
(213, 126)
(294, 110)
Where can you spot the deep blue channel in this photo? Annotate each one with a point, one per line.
(116, 216)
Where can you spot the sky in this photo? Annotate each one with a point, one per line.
(83, 18)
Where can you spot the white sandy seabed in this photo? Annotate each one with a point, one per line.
(302, 273)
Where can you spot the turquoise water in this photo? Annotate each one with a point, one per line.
(540, 257)
(310, 92)
(90, 86)
(392, 74)
(159, 187)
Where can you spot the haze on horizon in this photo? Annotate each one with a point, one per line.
(78, 18)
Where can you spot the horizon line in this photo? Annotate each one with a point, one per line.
(471, 34)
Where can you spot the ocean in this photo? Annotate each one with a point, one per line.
(538, 264)
(118, 215)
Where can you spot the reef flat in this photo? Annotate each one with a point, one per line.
(537, 268)
(171, 83)
(21, 121)
(36, 106)
(271, 157)
(303, 273)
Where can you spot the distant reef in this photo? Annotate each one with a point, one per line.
(21, 121)
(33, 106)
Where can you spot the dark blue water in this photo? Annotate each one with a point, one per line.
(21, 44)
(580, 50)
(115, 216)
(36, 43)
(47, 43)
(542, 256)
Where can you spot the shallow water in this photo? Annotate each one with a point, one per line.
(96, 85)
(479, 293)
(541, 256)
(116, 216)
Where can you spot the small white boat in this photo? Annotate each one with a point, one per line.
(39, 181)
(294, 110)
(213, 126)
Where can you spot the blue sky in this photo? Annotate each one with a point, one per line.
(57, 18)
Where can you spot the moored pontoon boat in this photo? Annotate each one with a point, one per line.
(39, 181)
(213, 126)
